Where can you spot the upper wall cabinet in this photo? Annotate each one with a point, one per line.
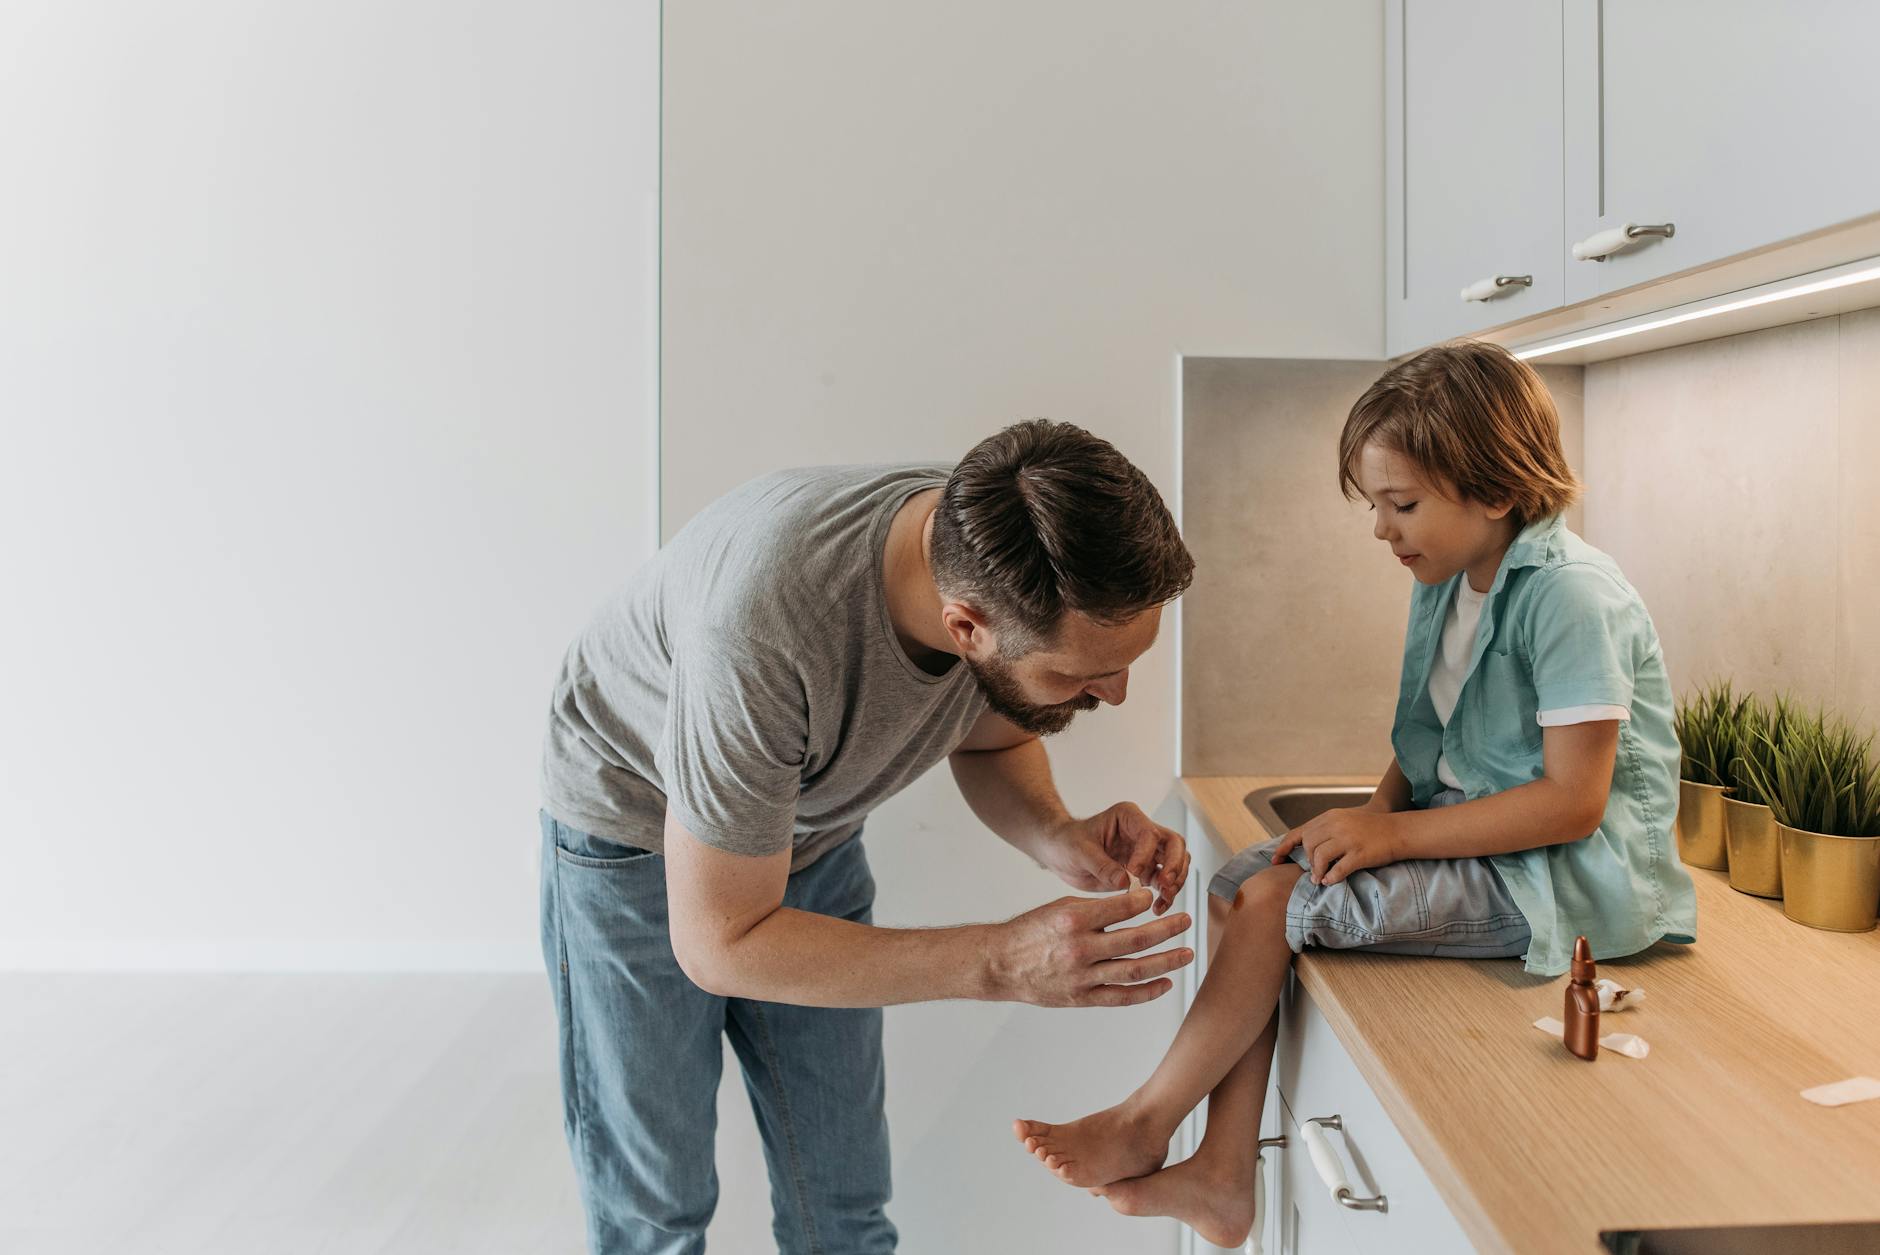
(1565, 159)
(1473, 170)
(1737, 123)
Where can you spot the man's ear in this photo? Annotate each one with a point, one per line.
(971, 635)
(1500, 512)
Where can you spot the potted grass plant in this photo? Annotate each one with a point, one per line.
(1706, 725)
(1749, 826)
(1823, 785)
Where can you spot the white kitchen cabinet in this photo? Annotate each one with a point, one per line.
(1516, 129)
(1740, 122)
(1317, 1079)
(1472, 164)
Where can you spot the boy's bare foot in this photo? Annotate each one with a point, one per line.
(1213, 1200)
(1107, 1146)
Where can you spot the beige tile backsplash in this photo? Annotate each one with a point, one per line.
(1857, 610)
(1737, 481)
(1292, 635)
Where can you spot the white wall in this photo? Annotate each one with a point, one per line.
(326, 361)
(891, 229)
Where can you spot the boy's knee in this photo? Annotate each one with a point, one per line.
(1218, 907)
(1268, 888)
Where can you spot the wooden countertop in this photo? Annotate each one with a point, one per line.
(1537, 1152)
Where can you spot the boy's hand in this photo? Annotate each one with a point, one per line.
(1343, 841)
(1104, 851)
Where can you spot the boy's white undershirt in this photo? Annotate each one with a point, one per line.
(1451, 665)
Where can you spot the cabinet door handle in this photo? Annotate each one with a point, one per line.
(1256, 1240)
(1486, 289)
(1331, 1168)
(1603, 244)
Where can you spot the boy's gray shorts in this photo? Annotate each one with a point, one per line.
(1452, 907)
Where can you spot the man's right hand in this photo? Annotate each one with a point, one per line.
(1065, 954)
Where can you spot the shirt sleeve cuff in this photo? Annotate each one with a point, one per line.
(1565, 715)
(748, 839)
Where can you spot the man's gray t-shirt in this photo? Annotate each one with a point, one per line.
(749, 675)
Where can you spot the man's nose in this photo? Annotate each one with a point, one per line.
(1112, 690)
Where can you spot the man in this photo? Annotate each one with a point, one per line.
(803, 649)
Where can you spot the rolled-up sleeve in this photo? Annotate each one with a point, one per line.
(1583, 632)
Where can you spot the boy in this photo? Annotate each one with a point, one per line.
(1529, 800)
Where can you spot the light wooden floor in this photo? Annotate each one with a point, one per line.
(286, 1115)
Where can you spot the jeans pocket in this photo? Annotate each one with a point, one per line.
(579, 849)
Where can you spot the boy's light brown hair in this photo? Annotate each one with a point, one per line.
(1470, 416)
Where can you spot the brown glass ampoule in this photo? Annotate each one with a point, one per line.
(1582, 1010)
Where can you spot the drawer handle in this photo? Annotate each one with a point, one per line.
(1332, 1168)
(1256, 1243)
(1488, 289)
(1600, 246)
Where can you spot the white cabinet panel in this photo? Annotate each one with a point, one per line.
(1742, 122)
(1317, 1078)
(1472, 166)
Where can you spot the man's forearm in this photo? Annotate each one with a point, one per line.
(1012, 793)
(820, 961)
(1540, 812)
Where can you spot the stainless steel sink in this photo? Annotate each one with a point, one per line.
(1285, 806)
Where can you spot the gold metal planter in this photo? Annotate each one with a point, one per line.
(1830, 882)
(1755, 847)
(1700, 826)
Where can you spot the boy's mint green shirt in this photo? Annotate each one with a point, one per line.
(1561, 627)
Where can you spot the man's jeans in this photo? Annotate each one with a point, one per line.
(641, 1055)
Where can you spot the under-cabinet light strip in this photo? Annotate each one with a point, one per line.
(1782, 290)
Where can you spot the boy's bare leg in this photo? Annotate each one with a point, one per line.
(1231, 1016)
(1212, 1190)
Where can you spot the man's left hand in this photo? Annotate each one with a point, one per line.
(1104, 851)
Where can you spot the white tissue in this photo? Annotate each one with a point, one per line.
(1628, 1044)
(1839, 1094)
(1615, 997)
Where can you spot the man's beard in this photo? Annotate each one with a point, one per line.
(1007, 700)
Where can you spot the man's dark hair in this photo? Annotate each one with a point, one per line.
(1045, 518)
